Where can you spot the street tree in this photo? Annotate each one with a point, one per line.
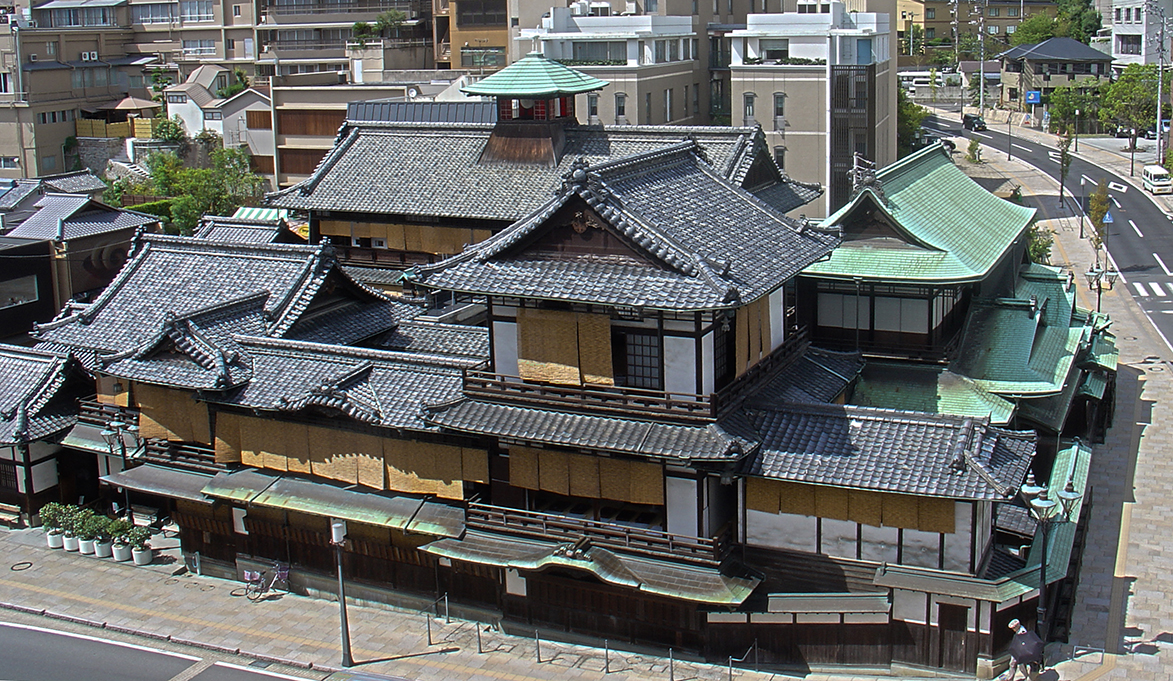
(1078, 19)
(1036, 29)
(1131, 101)
(1064, 163)
(909, 116)
(1097, 208)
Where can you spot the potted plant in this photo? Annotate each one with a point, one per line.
(121, 549)
(51, 516)
(140, 549)
(85, 532)
(99, 527)
(71, 519)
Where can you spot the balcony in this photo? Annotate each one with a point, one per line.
(706, 551)
(95, 413)
(337, 8)
(185, 455)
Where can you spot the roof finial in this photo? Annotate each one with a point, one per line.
(863, 176)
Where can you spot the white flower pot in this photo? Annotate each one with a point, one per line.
(122, 552)
(69, 543)
(143, 557)
(103, 549)
(55, 539)
(85, 547)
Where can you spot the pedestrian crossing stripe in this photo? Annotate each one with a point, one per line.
(1153, 289)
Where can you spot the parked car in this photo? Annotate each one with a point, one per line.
(973, 122)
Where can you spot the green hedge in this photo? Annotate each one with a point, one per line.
(161, 208)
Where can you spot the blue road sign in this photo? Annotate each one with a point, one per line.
(1108, 218)
(1034, 97)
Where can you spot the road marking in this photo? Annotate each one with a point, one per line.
(1170, 285)
(1136, 229)
(1157, 290)
(1019, 146)
(940, 132)
(1140, 289)
(1162, 264)
(99, 640)
(254, 670)
(1088, 180)
(1118, 206)
(982, 134)
(1117, 187)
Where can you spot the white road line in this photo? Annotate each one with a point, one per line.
(1136, 229)
(254, 670)
(1118, 206)
(1019, 146)
(1157, 290)
(1117, 187)
(1170, 285)
(939, 132)
(1088, 180)
(982, 134)
(1162, 264)
(1140, 289)
(99, 640)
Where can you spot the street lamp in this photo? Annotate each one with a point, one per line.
(1046, 513)
(114, 434)
(1077, 132)
(338, 540)
(1096, 277)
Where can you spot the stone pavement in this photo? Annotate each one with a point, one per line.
(1121, 606)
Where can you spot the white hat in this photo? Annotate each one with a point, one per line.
(1014, 624)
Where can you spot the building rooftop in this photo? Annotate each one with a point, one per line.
(35, 400)
(73, 216)
(535, 77)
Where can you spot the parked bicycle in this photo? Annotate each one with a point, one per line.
(256, 586)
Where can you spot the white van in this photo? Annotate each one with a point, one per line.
(1156, 180)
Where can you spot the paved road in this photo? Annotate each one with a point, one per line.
(30, 653)
(1141, 237)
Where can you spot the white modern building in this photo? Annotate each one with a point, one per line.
(1134, 32)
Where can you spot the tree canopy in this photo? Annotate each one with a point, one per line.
(1132, 99)
(219, 190)
(909, 117)
(1035, 29)
(1078, 19)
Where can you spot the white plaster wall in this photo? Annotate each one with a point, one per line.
(679, 365)
(984, 514)
(920, 548)
(909, 606)
(777, 318)
(505, 348)
(39, 451)
(958, 544)
(44, 476)
(514, 583)
(781, 530)
(682, 505)
(8, 453)
(707, 363)
(879, 543)
(839, 538)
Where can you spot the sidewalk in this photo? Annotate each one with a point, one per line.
(1122, 603)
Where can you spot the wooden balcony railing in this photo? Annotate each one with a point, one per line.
(182, 455)
(95, 413)
(709, 551)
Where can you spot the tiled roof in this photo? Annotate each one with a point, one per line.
(928, 388)
(35, 397)
(16, 192)
(1056, 49)
(713, 243)
(375, 276)
(535, 77)
(586, 431)
(244, 230)
(816, 375)
(439, 339)
(79, 182)
(351, 321)
(938, 241)
(422, 112)
(374, 386)
(889, 451)
(82, 215)
(432, 169)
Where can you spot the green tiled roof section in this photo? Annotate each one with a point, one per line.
(1103, 351)
(1051, 410)
(1094, 385)
(970, 231)
(535, 77)
(1006, 350)
(890, 385)
(1071, 463)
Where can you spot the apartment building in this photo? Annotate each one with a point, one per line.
(1135, 32)
(935, 19)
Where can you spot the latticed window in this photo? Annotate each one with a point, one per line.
(7, 475)
(637, 359)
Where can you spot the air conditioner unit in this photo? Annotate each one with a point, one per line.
(32, 57)
(85, 56)
(93, 56)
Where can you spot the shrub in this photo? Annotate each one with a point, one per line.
(52, 515)
(138, 537)
(74, 520)
(96, 527)
(161, 208)
(973, 154)
(118, 530)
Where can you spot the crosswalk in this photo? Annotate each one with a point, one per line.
(1153, 289)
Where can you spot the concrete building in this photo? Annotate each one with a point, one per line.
(1056, 62)
(199, 106)
(935, 20)
(1134, 32)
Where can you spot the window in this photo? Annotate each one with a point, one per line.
(595, 51)
(930, 13)
(199, 48)
(1011, 11)
(774, 49)
(135, 82)
(647, 108)
(1010, 29)
(213, 116)
(19, 291)
(1128, 15)
(652, 6)
(1128, 44)
(748, 100)
(82, 16)
(993, 30)
(695, 48)
(51, 48)
(686, 100)
(1136, 15)
(696, 98)
(668, 105)
(480, 13)
(5, 82)
(807, 8)
(1118, 10)
(8, 475)
(9, 162)
(780, 157)
(620, 105)
(593, 105)
(95, 77)
(685, 46)
(230, 44)
(152, 14)
(696, 8)
(485, 56)
(930, 33)
(994, 11)
(236, 10)
(779, 104)
(635, 356)
(661, 51)
(196, 10)
(48, 163)
(673, 50)
(176, 99)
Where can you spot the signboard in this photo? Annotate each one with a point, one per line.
(1034, 97)
(1108, 218)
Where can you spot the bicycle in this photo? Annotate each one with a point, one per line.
(256, 587)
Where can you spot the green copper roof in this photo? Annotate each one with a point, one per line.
(931, 389)
(944, 226)
(535, 77)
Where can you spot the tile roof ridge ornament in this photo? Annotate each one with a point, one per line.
(863, 176)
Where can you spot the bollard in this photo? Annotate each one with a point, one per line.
(755, 656)
(671, 666)
(730, 668)
(606, 656)
(538, 646)
(480, 649)
(428, 618)
(447, 618)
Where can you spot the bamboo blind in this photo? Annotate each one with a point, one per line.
(227, 442)
(594, 348)
(877, 509)
(548, 346)
(171, 414)
(583, 475)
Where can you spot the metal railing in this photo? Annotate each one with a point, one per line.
(709, 551)
(337, 8)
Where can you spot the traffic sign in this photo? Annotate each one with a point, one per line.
(1107, 218)
(1034, 97)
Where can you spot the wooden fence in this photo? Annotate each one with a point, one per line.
(139, 128)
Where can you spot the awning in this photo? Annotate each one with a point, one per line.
(63, 4)
(88, 438)
(410, 514)
(133, 60)
(255, 213)
(163, 481)
(661, 578)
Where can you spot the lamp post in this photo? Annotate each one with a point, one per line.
(114, 434)
(1082, 204)
(1077, 134)
(338, 540)
(1095, 281)
(1009, 135)
(1046, 514)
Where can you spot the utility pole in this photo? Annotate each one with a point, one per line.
(981, 24)
(1156, 8)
